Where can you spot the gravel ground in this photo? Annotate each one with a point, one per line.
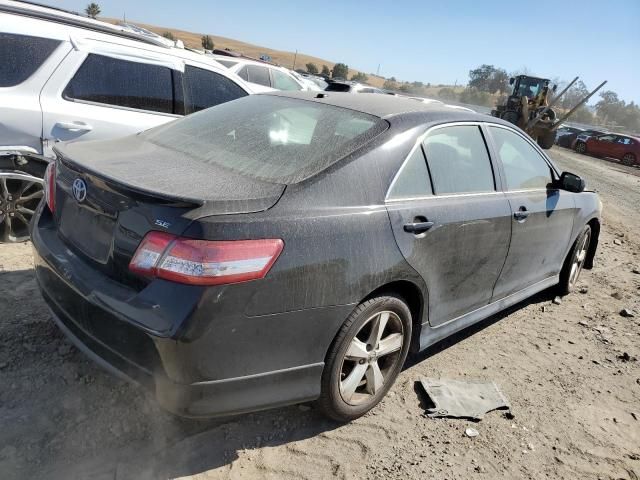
(570, 372)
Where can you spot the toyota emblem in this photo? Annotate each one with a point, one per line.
(79, 189)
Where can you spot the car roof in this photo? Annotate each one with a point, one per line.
(386, 106)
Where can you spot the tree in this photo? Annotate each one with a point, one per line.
(487, 78)
(92, 10)
(169, 35)
(447, 93)
(360, 77)
(325, 71)
(474, 96)
(207, 43)
(390, 84)
(340, 70)
(312, 68)
(610, 107)
(572, 96)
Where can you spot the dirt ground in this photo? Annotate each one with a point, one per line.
(571, 372)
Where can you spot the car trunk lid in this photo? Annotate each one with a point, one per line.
(124, 189)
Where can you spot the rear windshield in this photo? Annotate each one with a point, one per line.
(276, 139)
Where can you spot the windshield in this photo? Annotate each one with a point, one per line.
(276, 139)
(530, 87)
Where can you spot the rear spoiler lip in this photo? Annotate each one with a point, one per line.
(118, 183)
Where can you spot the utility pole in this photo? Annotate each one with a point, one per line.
(295, 57)
(378, 71)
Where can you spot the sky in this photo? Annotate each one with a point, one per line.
(435, 42)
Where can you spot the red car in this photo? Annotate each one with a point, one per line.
(622, 147)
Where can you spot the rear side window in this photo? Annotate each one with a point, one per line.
(413, 178)
(205, 89)
(338, 87)
(21, 56)
(255, 74)
(524, 167)
(122, 83)
(276, 139)
(458, 160)
(282, 81)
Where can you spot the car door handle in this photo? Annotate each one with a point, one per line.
(521, 215)
(74, 126)
(417, 227)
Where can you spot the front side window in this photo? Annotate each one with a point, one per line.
(122, 83)
(205, 89)
(21, 56)
(524, 167)
(282, 81)
(271, 138)
(458, 160)
(413, 179)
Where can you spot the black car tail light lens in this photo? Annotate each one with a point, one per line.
(204, 262)
(50, 186)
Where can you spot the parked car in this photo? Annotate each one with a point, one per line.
(64, 77)
(227, 261)
(582, 137)
(308, 82)
(347, 86)
(263, 75)
(621, 147)
(565, 135)
(318, 80)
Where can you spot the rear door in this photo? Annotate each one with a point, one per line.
(450, 219)
(26, 63)
(542, 215)
(96, 97)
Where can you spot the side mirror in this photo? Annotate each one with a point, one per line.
(511, 80)
(555, 87)
(571, 182)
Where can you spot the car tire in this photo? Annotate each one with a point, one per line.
(364, 361)
(629, 159)
(511, 116)
(581, 147)
(574, 262)
(547, 139)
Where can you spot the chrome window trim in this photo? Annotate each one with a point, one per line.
(421, 138)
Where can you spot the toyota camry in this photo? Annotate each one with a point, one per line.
(290, 247)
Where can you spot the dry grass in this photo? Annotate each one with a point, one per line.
(279, 57)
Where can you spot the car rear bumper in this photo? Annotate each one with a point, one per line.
(220, 373)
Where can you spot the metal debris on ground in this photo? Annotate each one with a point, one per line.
(463, 399)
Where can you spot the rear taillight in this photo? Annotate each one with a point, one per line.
(50, 186)
(204, 262)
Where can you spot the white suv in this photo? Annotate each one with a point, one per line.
(262, 74)
(64, 77)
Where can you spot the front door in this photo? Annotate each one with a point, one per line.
(542, 215)
(450, 221)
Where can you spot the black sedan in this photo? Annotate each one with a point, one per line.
(283, 248)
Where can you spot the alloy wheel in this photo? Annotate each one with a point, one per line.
(20, 194)
(581, 147)
(628, 159)
(579, 258)
(372, 355)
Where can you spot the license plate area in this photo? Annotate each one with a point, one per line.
(87, 230)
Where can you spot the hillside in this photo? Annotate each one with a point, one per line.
(279, 57)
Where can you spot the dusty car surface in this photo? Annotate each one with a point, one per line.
(289, 247)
